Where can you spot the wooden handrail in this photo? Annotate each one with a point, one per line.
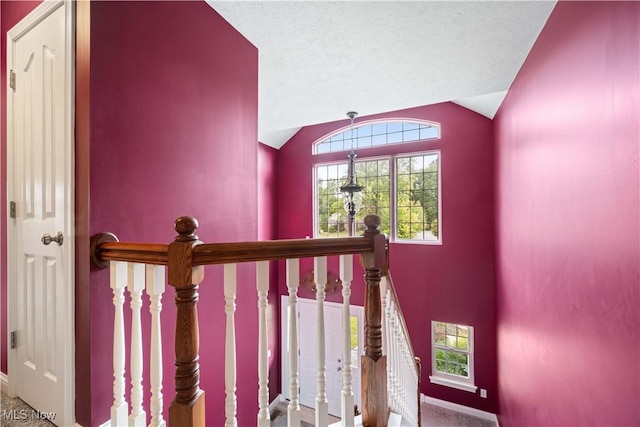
(147, 253)
(224, 253)
(185, 258)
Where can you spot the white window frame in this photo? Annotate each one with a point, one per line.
(393, 197)
(451, 380)
(343, 162)
(420, 122)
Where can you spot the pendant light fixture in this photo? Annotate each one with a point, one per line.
(352, 192)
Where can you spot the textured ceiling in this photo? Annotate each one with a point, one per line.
(320, 59)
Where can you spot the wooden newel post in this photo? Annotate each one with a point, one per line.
(187, 408)
(375, 410)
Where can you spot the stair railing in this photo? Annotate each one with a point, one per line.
(403, 367)
(140, 267)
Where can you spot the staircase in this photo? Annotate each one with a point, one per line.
(390, 370)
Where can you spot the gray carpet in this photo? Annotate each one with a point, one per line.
(435, 416)
(16, 413)
(432, 416)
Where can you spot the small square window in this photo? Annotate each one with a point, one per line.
(452, 355)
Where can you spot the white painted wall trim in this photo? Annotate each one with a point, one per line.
(460, 408)
(4, 382)
(275, 402)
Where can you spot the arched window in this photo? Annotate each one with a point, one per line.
(402, 187)
(374, 133)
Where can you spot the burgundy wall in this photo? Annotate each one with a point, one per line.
(451, 282)
(11, 12)
(174, 132)
(567, 215)
(267, 219)
(267, 192)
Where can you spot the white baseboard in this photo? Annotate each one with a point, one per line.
(275, 402)
(4, 385)
(4, 382)
(460, 408)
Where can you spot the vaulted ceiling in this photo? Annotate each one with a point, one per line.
(320, 59)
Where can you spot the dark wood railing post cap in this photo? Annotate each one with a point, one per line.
(186, 227)
(372, 222)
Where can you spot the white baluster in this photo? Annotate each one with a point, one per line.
(383, 296)
(293, 278)
(230, 285)
(135, 285)
(391, 378)
(388, 328)
(395, 358)
(322, 406)
(118, 280)
(155, 289)
(346, 275)
(264, 418)
(403, 372)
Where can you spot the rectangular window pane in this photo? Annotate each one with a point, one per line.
(330, 220)
(393, 138)
(411, 135)
(373, 175)
(336, 145)
(428, 132)
(331, 217)
(452, 355)
(417, 200)
(379, 129)
(364, 131)
(379, 139)
(364, 141)
(394, 127)
(323, 148)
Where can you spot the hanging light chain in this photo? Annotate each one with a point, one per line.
(352, 115)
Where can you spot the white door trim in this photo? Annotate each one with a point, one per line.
(36, 16)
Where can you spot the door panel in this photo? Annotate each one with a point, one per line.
(40, 166)
(333, 353)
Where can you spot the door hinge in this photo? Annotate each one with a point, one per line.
(13, 339)
(12, 209)
(12, 80)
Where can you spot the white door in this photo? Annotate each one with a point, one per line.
(308, 365)
(40, 174)
(333, 354)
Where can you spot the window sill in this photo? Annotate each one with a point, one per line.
(453, 383)
(418, 242)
